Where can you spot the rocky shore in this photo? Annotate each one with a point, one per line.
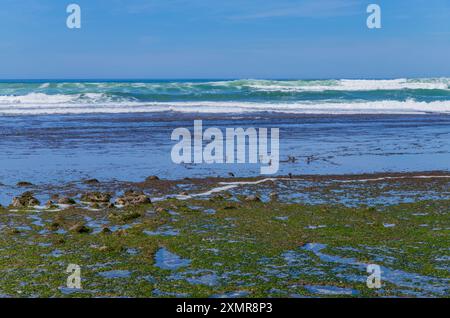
(289, 236)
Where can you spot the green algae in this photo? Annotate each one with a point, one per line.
(243, 248)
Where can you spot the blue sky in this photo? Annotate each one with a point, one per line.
(224, 39)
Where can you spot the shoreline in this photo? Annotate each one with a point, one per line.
(171, 115)
(209, 185)
(291, 237)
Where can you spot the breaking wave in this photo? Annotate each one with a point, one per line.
(65, 105)
(396, 96)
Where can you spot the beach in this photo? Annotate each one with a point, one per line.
(298, 236)
(87, 178)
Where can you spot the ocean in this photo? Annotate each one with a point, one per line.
(63, 131)
(398, 96)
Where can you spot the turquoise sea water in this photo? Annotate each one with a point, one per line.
(233, 96)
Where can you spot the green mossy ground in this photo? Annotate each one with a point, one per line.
(243, 243)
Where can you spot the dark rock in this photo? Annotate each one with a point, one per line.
(152, 178)
(24, 184)
(132, 197)
(80, 228)
(106, 230)
(14, 231)
(54, 226)
(131, 192)
(131, 215)
(96, 197)
(25, 200)
(60, 241)
(91, 181)
(66, 200)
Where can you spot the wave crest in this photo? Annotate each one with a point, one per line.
(60, 105)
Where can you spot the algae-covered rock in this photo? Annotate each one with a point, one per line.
(25, 200)
(132, 197)
(66, 200)
(106, 230)
(96, 197)
(80, 228)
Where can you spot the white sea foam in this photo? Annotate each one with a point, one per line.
(36, 99)
(45, 85)
(339, 85)
(39, 104)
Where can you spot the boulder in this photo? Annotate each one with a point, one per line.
(80, 228)
(132, 197)
(24, 184)
(152, 178)
(106, 230)
(25, 200)
(96, 197)
(252, 198)
(91, 181)
(66, 200)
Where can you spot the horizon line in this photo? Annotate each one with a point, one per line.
(5, 80)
